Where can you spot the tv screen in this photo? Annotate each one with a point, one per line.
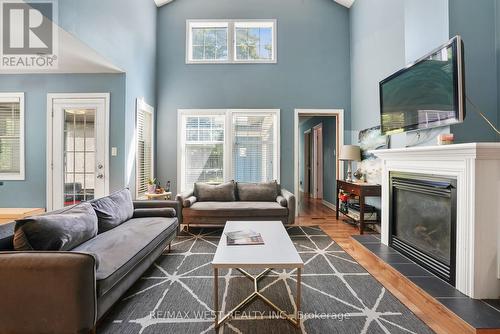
(426, 94)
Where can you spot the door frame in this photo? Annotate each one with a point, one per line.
(49, 165)
(318, 161)
(339, 114)
(307, 160)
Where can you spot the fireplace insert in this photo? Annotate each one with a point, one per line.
(422, 221)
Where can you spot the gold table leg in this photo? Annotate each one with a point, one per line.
(216, 295)
(256, 294)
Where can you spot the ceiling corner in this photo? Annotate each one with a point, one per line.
(345, 3)
(160, 3)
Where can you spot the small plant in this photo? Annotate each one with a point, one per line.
(152, 185)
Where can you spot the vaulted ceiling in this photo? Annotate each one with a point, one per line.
(346, 3)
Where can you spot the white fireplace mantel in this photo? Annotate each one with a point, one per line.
(476, 167)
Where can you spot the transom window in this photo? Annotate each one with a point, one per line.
(11, 136)
(222, 145)
(231, 41)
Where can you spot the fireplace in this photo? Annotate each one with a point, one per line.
(422, 221)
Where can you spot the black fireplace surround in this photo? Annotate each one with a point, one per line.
(422, 220)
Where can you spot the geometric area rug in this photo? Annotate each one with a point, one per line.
(175, 295)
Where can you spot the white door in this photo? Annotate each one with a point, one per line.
(77, 141)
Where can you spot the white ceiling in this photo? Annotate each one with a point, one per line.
(345, 3)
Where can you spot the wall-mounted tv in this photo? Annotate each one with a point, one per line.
(426, 94)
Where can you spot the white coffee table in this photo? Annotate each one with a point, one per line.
(278, 252)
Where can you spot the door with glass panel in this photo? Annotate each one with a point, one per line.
(78, 146)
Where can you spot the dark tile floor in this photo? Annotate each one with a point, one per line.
(478, 313)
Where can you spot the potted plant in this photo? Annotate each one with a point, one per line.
(152, 186)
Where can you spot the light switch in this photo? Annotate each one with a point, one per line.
(114, 151)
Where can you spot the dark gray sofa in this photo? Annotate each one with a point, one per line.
(208, 204)
(69, 291)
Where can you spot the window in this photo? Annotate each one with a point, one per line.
(144, 165)
(230, 41)
(208, 41)
(253, 147)
(11, 136)
(253, 41)
(222, 145)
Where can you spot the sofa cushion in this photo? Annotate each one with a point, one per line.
(236, 209)
(59, 231)
(224, 192)
(254, 192)
(113, 210)
(122, 248)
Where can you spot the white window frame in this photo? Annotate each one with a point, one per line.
(16, 97)
(228, 139)
(143, 107)
(231, 40)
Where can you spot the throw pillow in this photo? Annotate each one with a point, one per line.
(257, 192)
(113, 210)
(60, 231)
(224, 192)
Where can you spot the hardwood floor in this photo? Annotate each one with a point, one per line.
(434, 314)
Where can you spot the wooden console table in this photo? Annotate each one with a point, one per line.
(362, 190)
(8, 215)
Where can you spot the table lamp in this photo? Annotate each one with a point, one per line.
(350, 153)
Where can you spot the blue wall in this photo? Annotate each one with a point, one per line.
(329, 154)
(475, 21)
(312, 69)
(393, 32)
(31, 192)
(123, 31)
(497, 30)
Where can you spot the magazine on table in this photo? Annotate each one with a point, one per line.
(244, 237)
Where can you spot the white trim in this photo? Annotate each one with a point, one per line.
(69, 97)
(228, 113)
(329, 205)
(339, 113)
(141, 105)
(476, 168)
(317, 162)
(231, 38)
(17, 97)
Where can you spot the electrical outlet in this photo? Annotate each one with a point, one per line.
(114, 151)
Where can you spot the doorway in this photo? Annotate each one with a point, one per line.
(77, 148)
(318, 136)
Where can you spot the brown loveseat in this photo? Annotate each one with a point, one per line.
(208, 205)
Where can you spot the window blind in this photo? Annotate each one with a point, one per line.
(253, 147)
(221, 145)
(204, 150)
(144, 164)
(10, 136)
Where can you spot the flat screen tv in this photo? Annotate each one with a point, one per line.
(426, 94)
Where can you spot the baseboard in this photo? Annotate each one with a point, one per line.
(330, 205)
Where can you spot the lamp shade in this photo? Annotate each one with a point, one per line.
(350, 153)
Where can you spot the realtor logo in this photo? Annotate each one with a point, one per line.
(28, 32)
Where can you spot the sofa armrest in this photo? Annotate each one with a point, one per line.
(53, 291)
(290, 203)
(186, 199)
(151, 204)
(154, 212)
